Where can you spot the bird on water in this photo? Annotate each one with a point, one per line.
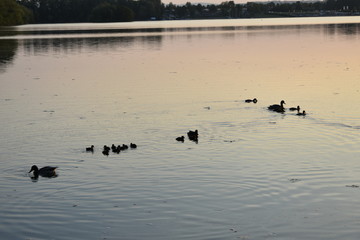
(251, 100)
(295, 108)
(44, 171)
(278, 108)
(303, 113)
(180, 139)
(193, 135)
(90, 149)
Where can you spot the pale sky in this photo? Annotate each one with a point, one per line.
(219, 1)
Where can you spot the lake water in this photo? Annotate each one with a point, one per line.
(254, 174)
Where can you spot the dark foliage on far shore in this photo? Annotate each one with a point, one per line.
(15, 12)
(12, 13)
(72, 11)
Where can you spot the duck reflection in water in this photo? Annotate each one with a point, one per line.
(48, 172)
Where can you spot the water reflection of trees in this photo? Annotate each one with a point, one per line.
(74, 42)
(78, 44)
(342, 29)
(8, 48)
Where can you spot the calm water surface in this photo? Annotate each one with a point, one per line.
(254, 174)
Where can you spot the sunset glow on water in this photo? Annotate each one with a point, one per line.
(254, 173)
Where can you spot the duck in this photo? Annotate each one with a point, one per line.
(106, 150)
(118, 149)
(193, 135)
(90, 149)
(251, 100)
(133, 145)
(180, 139)
(295, 108)
(303, 113)
(44, 171)
(277, 107)
(113, 147)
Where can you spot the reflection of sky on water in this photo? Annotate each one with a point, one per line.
(253, 171)
(75, 37)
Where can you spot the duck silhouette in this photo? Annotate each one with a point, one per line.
(180, 139)
(118, 149)
(133, 145)
(303, 113)
(47, 171)
(193, 135)
(113, 147)
(278, 108)
(90, 149)
(251, 100)
(295, 108)
(106, 150)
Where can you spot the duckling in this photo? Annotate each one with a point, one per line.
(133, 145)
(193, 135)
(303, 113)
(295, 108)
(113, 147)
(90, 149)
(106, 150)
(180, 139)
(251, 100)
(118, 149)
(44, 171)
(278, 108)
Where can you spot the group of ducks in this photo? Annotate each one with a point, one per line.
(192, 135)
(279, 107)
(113, 148)
(50, 172)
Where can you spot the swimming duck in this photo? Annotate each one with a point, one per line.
(193, 135)
(113, 147)
(133, 145)
(118, 149)
(295, 108)
(44, 171)
(180, 139)
(90, 149)
(277, 107)
(106, 150)
(303, 113)
(251, 100)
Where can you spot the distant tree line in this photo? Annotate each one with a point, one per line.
(229, 9)
(67, 11)
(13, 12)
